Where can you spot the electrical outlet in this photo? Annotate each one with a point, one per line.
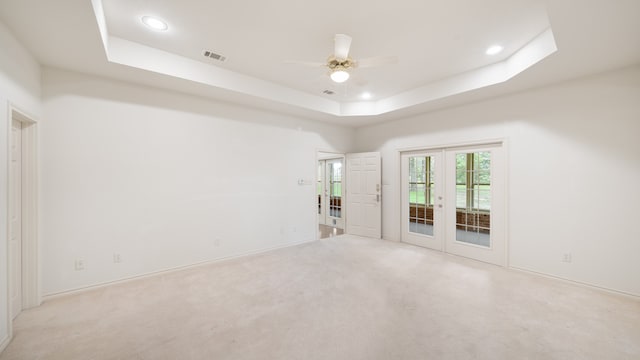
(566, 257)
(79, 265)
(116, 258)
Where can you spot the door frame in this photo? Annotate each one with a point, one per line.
(322, 154)
(325, 209)
(31, 292)
(503, 142)
(427, 241)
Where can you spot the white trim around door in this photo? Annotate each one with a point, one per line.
(29, 254)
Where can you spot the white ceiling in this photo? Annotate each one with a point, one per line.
(440, 46)
(433, 40)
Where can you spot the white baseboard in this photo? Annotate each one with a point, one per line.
(166, 271)
(255, 252)
(5, 343)
(574, 282)
(553, 277)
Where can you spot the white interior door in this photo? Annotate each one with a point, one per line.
(15, 216)
(364, 191)
(422, 199)
(453, 200)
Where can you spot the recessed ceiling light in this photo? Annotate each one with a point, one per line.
(155, 23)
(366, 95)
(493, 50)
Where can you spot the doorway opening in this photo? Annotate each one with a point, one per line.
(330, 194)
(349, 194)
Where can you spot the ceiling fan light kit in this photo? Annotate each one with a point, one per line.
(339, 75)
(340, 63)
(339, 68)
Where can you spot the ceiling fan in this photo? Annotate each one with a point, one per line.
(339, 63)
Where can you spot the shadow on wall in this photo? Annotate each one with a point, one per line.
(58, 83)
(599, 111)
(601, 115)
(19, 68)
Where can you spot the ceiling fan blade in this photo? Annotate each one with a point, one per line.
(306, 63)
(342, 45)
(377, 61)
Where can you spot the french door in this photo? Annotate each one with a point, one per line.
(453, 201)
(330, 192)
(422, 194)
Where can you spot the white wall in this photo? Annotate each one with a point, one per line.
(19, 88)
(167, 180)
(573, 172)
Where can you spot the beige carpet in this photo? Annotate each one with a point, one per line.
(340, 298)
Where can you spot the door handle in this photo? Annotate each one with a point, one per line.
(378, 198)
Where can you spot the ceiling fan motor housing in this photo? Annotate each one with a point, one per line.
(333, 63)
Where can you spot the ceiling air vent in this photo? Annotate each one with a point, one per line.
(214, 56)
(328, 92)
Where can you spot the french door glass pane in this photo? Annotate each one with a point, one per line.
(473, 198)
(319, 186)
(335, 189)
(421, 194)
